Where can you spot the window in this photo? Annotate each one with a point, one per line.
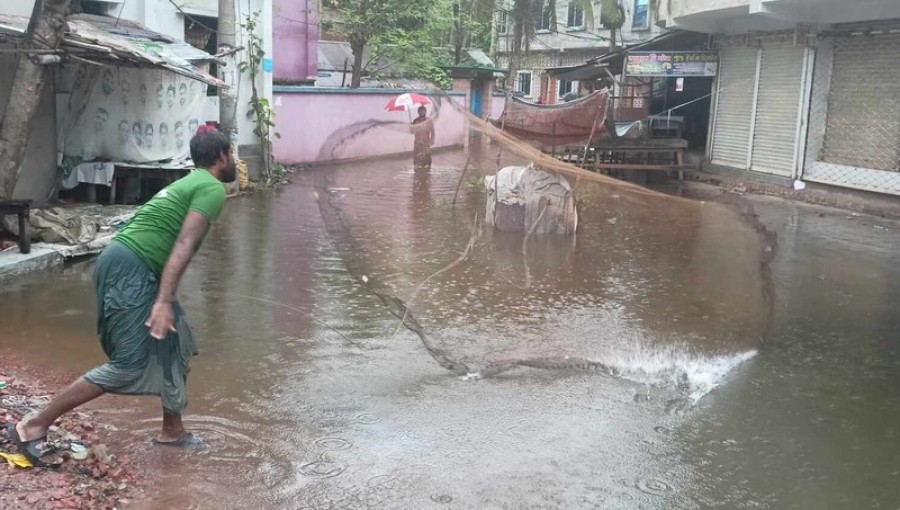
(575, 16)
(641, 19)
(523, 82)
(94, 7)
(201, 33)
(502, 22)
(546, 20)
(565, 87)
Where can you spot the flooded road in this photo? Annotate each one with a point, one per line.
(308, 394)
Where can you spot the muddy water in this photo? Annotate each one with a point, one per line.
(307, 394)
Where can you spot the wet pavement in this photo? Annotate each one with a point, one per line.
(308, 394)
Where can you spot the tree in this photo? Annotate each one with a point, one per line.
(612, 16)
(451, 26)
(471, 26)
(45, 32)
(364, 21)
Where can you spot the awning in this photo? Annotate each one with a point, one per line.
(612, 62)
(106, 40)
(648, 44)
(584, 72)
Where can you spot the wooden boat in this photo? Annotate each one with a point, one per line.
(557, 124)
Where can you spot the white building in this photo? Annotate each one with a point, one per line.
(194, 21)
(807, 89)
(571, 37)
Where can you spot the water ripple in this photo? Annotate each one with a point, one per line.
(654, 486)
(322, 469)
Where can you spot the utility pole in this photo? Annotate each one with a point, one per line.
(227, 40)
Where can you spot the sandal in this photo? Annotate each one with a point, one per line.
(30, 448)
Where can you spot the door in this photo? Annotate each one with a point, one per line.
(477, 106)
(733, 117)
(779, 103)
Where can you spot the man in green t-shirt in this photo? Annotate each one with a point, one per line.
(141, 326)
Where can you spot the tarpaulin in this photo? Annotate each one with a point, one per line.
(130, 114)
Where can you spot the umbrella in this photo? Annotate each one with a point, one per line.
(406, 102)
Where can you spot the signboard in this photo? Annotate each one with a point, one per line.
(672, 63)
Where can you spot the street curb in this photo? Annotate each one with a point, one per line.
(41, 258)
(863, 202)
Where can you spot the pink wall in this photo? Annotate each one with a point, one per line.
(295, 35)
(319, 124)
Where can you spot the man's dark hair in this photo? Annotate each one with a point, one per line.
(207, 148)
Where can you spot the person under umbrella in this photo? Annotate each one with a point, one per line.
(422, 129)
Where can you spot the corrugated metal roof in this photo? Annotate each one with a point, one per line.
(337, 79)
(332, 55)
(480, 58)
(13, 25)
(106, 40)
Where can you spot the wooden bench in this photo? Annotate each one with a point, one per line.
(138, 176)
(20, 208)
(629, 154)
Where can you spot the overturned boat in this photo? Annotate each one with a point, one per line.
(575, 122)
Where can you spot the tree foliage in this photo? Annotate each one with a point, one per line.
(260, 110)
(413, 37)
(364, 22)
(612, 14)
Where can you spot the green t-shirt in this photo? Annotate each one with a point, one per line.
(152, 232)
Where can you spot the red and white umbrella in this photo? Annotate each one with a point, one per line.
(406, 102)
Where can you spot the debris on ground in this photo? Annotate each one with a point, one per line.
(90, 477)
(73, 225)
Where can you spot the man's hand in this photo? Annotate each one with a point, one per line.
(162, 318)
(161, 321)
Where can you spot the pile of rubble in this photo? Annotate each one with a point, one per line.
(89, 476)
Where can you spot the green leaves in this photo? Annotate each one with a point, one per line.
(412, 38)
(612, 14)
(260, 108)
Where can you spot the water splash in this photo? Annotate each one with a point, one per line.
(675, 366)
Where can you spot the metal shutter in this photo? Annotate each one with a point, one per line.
(778, 109)
(863, 124)
(734, 106)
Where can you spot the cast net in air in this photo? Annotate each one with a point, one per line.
(652, 286)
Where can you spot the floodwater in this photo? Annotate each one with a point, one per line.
(308, 394)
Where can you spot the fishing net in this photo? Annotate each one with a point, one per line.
(650, 281)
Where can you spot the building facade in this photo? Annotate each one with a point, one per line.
(806, 89)
(296, 32)
(192, 21)
(565, 37)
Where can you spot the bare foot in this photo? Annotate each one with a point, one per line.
(28, 432)
(186, 440)
(166, 437)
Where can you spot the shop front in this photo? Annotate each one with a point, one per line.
(854, 136)
(761, 102)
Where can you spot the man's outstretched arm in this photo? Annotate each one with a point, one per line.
(162, 318)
